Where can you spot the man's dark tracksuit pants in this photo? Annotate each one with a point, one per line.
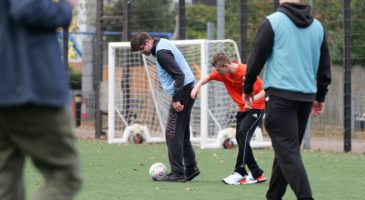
(180, 151)
(286, 121)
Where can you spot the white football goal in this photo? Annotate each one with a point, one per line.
(137, 103)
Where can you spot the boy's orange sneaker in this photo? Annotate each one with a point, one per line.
(251, 180)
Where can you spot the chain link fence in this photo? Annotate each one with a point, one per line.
(330, 12)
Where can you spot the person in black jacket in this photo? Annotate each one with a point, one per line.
(177, 80)
(35, 118)
(297, 74)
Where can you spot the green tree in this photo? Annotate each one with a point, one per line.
(330, 13)
(159, 16)
(257, 10)
(145, 15)
(197, 17)
(357, 28)
(75, 79)
(199, 14)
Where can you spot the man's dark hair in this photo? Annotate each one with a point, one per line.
(220, 59)
(139, 39)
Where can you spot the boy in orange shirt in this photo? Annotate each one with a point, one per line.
(232, 75)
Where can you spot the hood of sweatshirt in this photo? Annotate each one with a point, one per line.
(299, 13)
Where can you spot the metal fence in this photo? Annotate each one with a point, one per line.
(330, 124)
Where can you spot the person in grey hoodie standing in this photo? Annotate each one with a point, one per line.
(292, 45)
(35, 117)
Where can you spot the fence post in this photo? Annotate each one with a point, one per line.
(347, 75)
(243, 30)
(276, 4)
(98, 67)
(210, 30)
(220, 19)
(181, 19)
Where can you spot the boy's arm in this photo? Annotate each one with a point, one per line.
(196, 88)
(259, 95)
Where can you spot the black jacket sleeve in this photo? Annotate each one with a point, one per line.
(167, 61)
(324, 71)
(261, 50)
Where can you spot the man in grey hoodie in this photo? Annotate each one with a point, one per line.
(293, 45)
(35, 117)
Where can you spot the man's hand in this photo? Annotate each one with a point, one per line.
(247, 107)
(317, 108)
(177, 106)
(248, 98)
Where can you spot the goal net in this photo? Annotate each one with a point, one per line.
(138, 106)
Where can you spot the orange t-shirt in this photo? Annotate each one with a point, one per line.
(234, 86)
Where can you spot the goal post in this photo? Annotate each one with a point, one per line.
(137, 103)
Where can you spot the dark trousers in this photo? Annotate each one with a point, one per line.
(246, 126)
(45, 135)
(180, 151)
(286, 122)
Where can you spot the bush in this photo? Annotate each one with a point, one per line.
(75, 79)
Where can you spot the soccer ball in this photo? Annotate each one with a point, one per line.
(158, 171)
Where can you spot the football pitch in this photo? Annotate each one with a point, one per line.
(113, 172)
